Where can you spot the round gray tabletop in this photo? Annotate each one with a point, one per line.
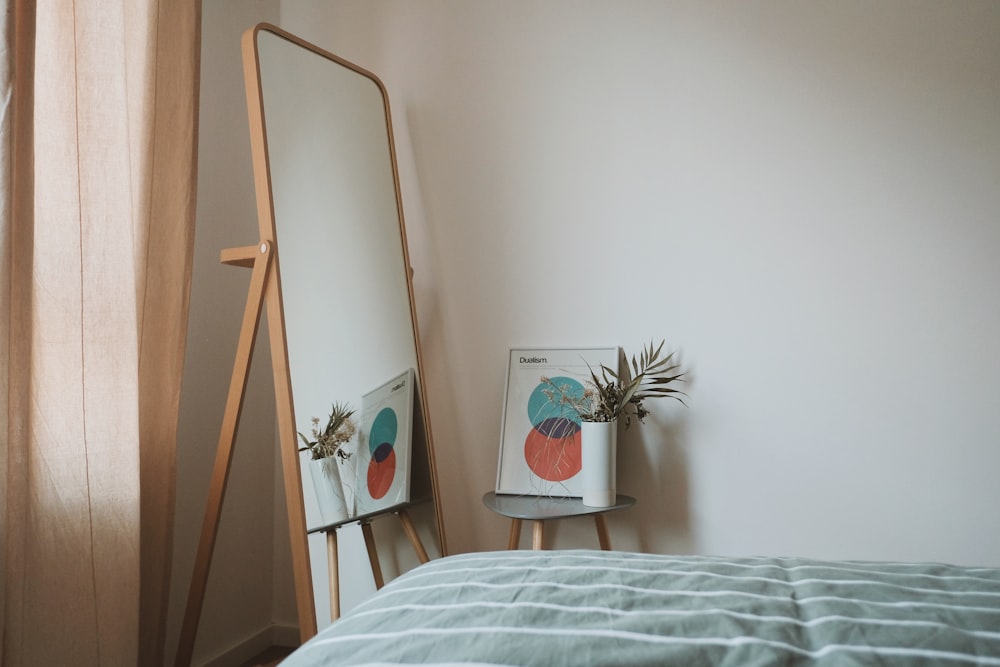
(539, 508)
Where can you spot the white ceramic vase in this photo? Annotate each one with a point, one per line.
(329, 489)
(599, 444)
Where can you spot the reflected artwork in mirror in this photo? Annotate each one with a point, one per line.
(328, 196)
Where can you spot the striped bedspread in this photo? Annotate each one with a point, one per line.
(580, 608)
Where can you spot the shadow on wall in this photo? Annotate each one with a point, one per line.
(653, 467)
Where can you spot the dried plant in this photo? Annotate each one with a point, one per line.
(610, 395)
(330, 441)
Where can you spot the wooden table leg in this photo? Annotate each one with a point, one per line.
(366, 529)
(515, 534)
(333, 569)
(537, 535)
(411, 533)
(602, 532)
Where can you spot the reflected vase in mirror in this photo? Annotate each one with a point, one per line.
(331, 495)
(329, 449)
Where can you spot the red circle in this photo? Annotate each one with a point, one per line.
(553, 459)
(380, 475)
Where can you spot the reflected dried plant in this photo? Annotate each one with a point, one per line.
(330, 440)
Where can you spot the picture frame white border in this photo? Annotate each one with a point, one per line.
(525, 368)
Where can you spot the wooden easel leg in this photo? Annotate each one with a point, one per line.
(538, 535)
(602, 532)
(298, 537)
(411, 532)
(333, 568)
(259, 257)
(366, 529)
(515, 534)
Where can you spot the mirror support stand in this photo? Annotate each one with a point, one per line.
(262, 285)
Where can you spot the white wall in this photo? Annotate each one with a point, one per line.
(802, 198)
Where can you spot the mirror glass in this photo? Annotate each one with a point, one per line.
(347, 298)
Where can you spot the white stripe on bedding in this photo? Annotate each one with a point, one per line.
(729, 642)
(645, 613)
(492, 559)
(866, 563)
(727, 577)
(432, 664)
(636, 557)
(386, 592)
(873, 563)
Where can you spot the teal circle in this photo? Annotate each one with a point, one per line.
(383, 429)
(541, 408)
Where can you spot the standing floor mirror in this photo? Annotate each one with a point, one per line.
(328, 195)
(332, 271)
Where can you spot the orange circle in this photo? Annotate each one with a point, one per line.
(553, 459)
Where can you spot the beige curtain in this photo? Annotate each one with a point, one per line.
(98, 137)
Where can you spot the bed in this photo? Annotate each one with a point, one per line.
(583, 607)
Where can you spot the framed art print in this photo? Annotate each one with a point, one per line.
(383, 468)
(540, 437)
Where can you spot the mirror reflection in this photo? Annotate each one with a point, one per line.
(349, 321)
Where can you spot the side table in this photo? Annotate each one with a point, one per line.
(333, 560)
(543, 508)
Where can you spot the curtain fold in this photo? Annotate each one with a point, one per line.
(16, 241)
(99, 156)
(166, 244)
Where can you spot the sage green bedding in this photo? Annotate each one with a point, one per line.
(579, 608)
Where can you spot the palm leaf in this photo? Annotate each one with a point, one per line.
(621, 392)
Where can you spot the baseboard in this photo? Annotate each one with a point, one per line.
(285, 635)
(272, 635)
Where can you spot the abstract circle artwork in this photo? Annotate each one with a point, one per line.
(381, 439)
